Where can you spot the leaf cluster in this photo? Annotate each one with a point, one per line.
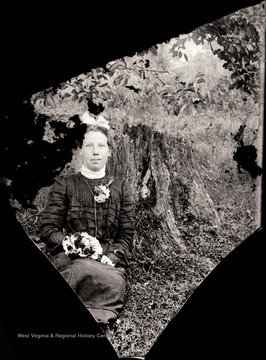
(239, 38)
(184, 95)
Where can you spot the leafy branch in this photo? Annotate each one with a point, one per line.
(239, 37)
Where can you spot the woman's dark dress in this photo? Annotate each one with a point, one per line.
(71, 208)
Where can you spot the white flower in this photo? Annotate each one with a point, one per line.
(91, 243)
(102, 193)
(68, 245)
(81, 253)
(99, 198)
(95, 256)
(107, 192)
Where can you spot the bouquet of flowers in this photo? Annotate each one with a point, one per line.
(82, 245)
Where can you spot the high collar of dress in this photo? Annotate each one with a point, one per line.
(89, 174)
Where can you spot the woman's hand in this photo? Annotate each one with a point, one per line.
(107, 260)
(112, 257)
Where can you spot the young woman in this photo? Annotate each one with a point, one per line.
(88, 227)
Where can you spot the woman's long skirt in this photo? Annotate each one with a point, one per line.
(100, 287)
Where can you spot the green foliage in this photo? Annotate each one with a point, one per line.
(240, 40)
(184, 95)
(175, 50)
(127, 82)
(241, 51)
(132, 85)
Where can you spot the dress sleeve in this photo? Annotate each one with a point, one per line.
(123, 242)
(54, 215)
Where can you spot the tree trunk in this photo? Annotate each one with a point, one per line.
(165, 180)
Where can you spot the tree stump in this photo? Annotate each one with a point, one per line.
(165, 181)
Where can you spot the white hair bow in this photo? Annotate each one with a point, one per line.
(86, 118)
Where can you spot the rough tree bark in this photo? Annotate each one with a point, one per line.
(165, 181)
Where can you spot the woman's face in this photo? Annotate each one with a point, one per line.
(95, 150)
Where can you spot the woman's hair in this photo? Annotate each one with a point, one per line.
(110, 140)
